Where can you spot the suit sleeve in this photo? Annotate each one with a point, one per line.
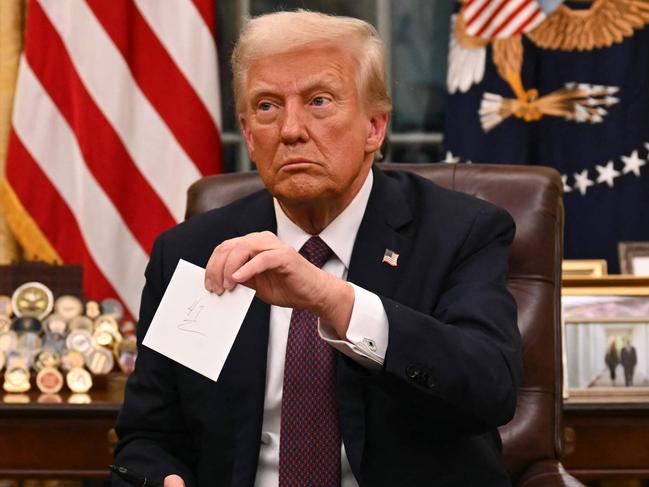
(153, 440)
(462, 362)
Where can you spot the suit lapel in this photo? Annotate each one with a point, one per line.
(244, 373)
(382, 228)
(386, 214)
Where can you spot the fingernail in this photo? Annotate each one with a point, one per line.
(237, 274)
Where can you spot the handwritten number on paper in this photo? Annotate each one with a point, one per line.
(191, 322)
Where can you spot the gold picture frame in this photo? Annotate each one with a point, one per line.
(606, 339)
(634, 258)
(577, 268)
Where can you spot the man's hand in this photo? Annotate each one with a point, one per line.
(281, 276)
(173, 481)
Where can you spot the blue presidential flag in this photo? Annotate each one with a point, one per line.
(572, 93)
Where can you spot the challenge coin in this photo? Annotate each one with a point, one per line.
(100, 361)
(47, 359)
(125, 354)
(55, 323)
(81, 323)
(111, 306)
(93, 310)
(5, 305)
(27, 324)
(127, 328)
(18, 358)
(54, 341)
(17, 379)
(80, 341)
(8, 341)
(79, 380)
(71, 359)
(106, 321)
(30, 342)
(49, 380)
(32, 299)
(68, 306)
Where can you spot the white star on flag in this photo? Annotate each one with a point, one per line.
(582, 183)
(450, 158)
(607, 173)
(566, 188)
(633, 163)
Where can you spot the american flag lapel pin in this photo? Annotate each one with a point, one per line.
(390, 257)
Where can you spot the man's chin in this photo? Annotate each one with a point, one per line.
(299, 192)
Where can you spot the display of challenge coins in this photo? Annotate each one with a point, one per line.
(57, 342)
(32, 299)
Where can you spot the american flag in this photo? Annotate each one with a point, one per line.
(499, 19)
(390, 257)
(116, 113)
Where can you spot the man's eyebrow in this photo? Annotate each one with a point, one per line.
(313, 83)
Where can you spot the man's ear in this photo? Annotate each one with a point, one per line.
(245, 130)
(376, 129)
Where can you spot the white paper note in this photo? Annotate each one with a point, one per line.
(194, 327)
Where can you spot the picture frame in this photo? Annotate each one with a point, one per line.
(605, 324)
(577, 268)
(634, 258)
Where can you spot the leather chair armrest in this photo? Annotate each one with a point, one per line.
(548, 473)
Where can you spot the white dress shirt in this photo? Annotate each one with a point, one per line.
(367, 335)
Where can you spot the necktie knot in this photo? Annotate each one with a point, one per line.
(316, 251)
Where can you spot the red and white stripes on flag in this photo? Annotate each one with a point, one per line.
(116, 113)
(499, 19)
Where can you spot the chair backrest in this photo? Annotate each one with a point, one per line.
(533, 196)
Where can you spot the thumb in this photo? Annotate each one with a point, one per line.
(174, 481)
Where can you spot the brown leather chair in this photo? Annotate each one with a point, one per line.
(533, 196)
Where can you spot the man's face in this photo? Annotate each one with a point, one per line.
(306, 127)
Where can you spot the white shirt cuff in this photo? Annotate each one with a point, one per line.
(367, 335)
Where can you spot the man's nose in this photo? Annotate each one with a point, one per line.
(294, 129)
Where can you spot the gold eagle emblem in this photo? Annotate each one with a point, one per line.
(604, 23)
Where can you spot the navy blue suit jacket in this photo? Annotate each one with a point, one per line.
(451, 371)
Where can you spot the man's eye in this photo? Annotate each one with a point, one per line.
(320, 101)
(264, 106)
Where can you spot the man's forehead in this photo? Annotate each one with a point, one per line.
(311, 65)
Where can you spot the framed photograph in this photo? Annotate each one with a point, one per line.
(606, 338)
(634, 258)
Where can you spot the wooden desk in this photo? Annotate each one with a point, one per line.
(606, 440)
(57, 440)
(67, 440)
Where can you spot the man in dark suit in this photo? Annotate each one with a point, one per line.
(629, 359)
(381, 347)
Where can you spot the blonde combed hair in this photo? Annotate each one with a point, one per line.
(286, 31)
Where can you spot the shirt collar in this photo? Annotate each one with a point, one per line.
(339, 235)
